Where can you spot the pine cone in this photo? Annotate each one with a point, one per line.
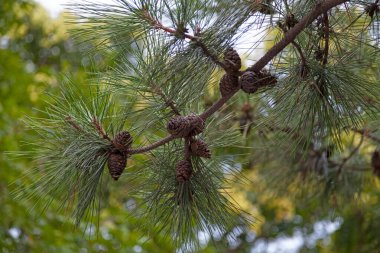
(265, 78)
(183, 126)
(122, 141)
(249, 82)
(318, 54)
(246, 108)
(375, 162)
(197, 124)
(290, 20)
(232, 59)
(372, 9)
(179, 126)
(116, 164)
(200, 148)
(183, 171)
(228, 84)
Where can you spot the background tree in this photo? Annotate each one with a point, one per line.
(310, 122)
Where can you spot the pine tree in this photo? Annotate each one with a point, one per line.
(311, 86)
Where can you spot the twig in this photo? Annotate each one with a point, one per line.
(366, 133)
(353, 152)
(216, 106)
(196, 39)
(169, 102)
(207, 52)
(151, 146)
(72, 122)
(100, 129)
(326, 27)
(299, 50)
(186, 150)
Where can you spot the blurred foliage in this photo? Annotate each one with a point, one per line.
(36, 50)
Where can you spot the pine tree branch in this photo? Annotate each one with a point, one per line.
(100, 129)
(353, 152)
(293, 32)
(216, 106)
(151, 146)
(366, 133)
(276, 49)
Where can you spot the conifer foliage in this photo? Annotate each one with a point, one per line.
(166, 55)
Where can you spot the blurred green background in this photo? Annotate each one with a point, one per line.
(35, 52)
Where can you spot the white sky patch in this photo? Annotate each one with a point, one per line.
(56, 6)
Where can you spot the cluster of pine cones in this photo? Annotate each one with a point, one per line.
(187, 127)
(117, 159)
(249, 81)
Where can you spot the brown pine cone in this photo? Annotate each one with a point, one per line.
(228, 84)
(265, 78)
(183, 126)
(232, 59)
(200, 148)
(372, 9)
(375, 162)
(183, 171)
(249, 82)
(197, 124)
(122, 141)
(179, 126)
(290, 20)
(116, 164)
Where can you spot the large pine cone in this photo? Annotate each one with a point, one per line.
(228, 84)
(179, 126)
(200, 148)
(122, 141)
(375, 162)
(232, 59)
(265, 78)
(249, 82)
(183, 126)
(197, 124)
(183, 171)
(116, 164)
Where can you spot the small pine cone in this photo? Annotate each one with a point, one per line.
(179, 126)
(228, 84)
(249, 82)
(122, 141)
(265, 78)
(197, 124)
(266, 9)
(183, 171)
(246, 108)
(232, 59)
(116, 164)
(200, 148)
(290, 20)
(372, 9)
(375, 162)
(318, 54)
